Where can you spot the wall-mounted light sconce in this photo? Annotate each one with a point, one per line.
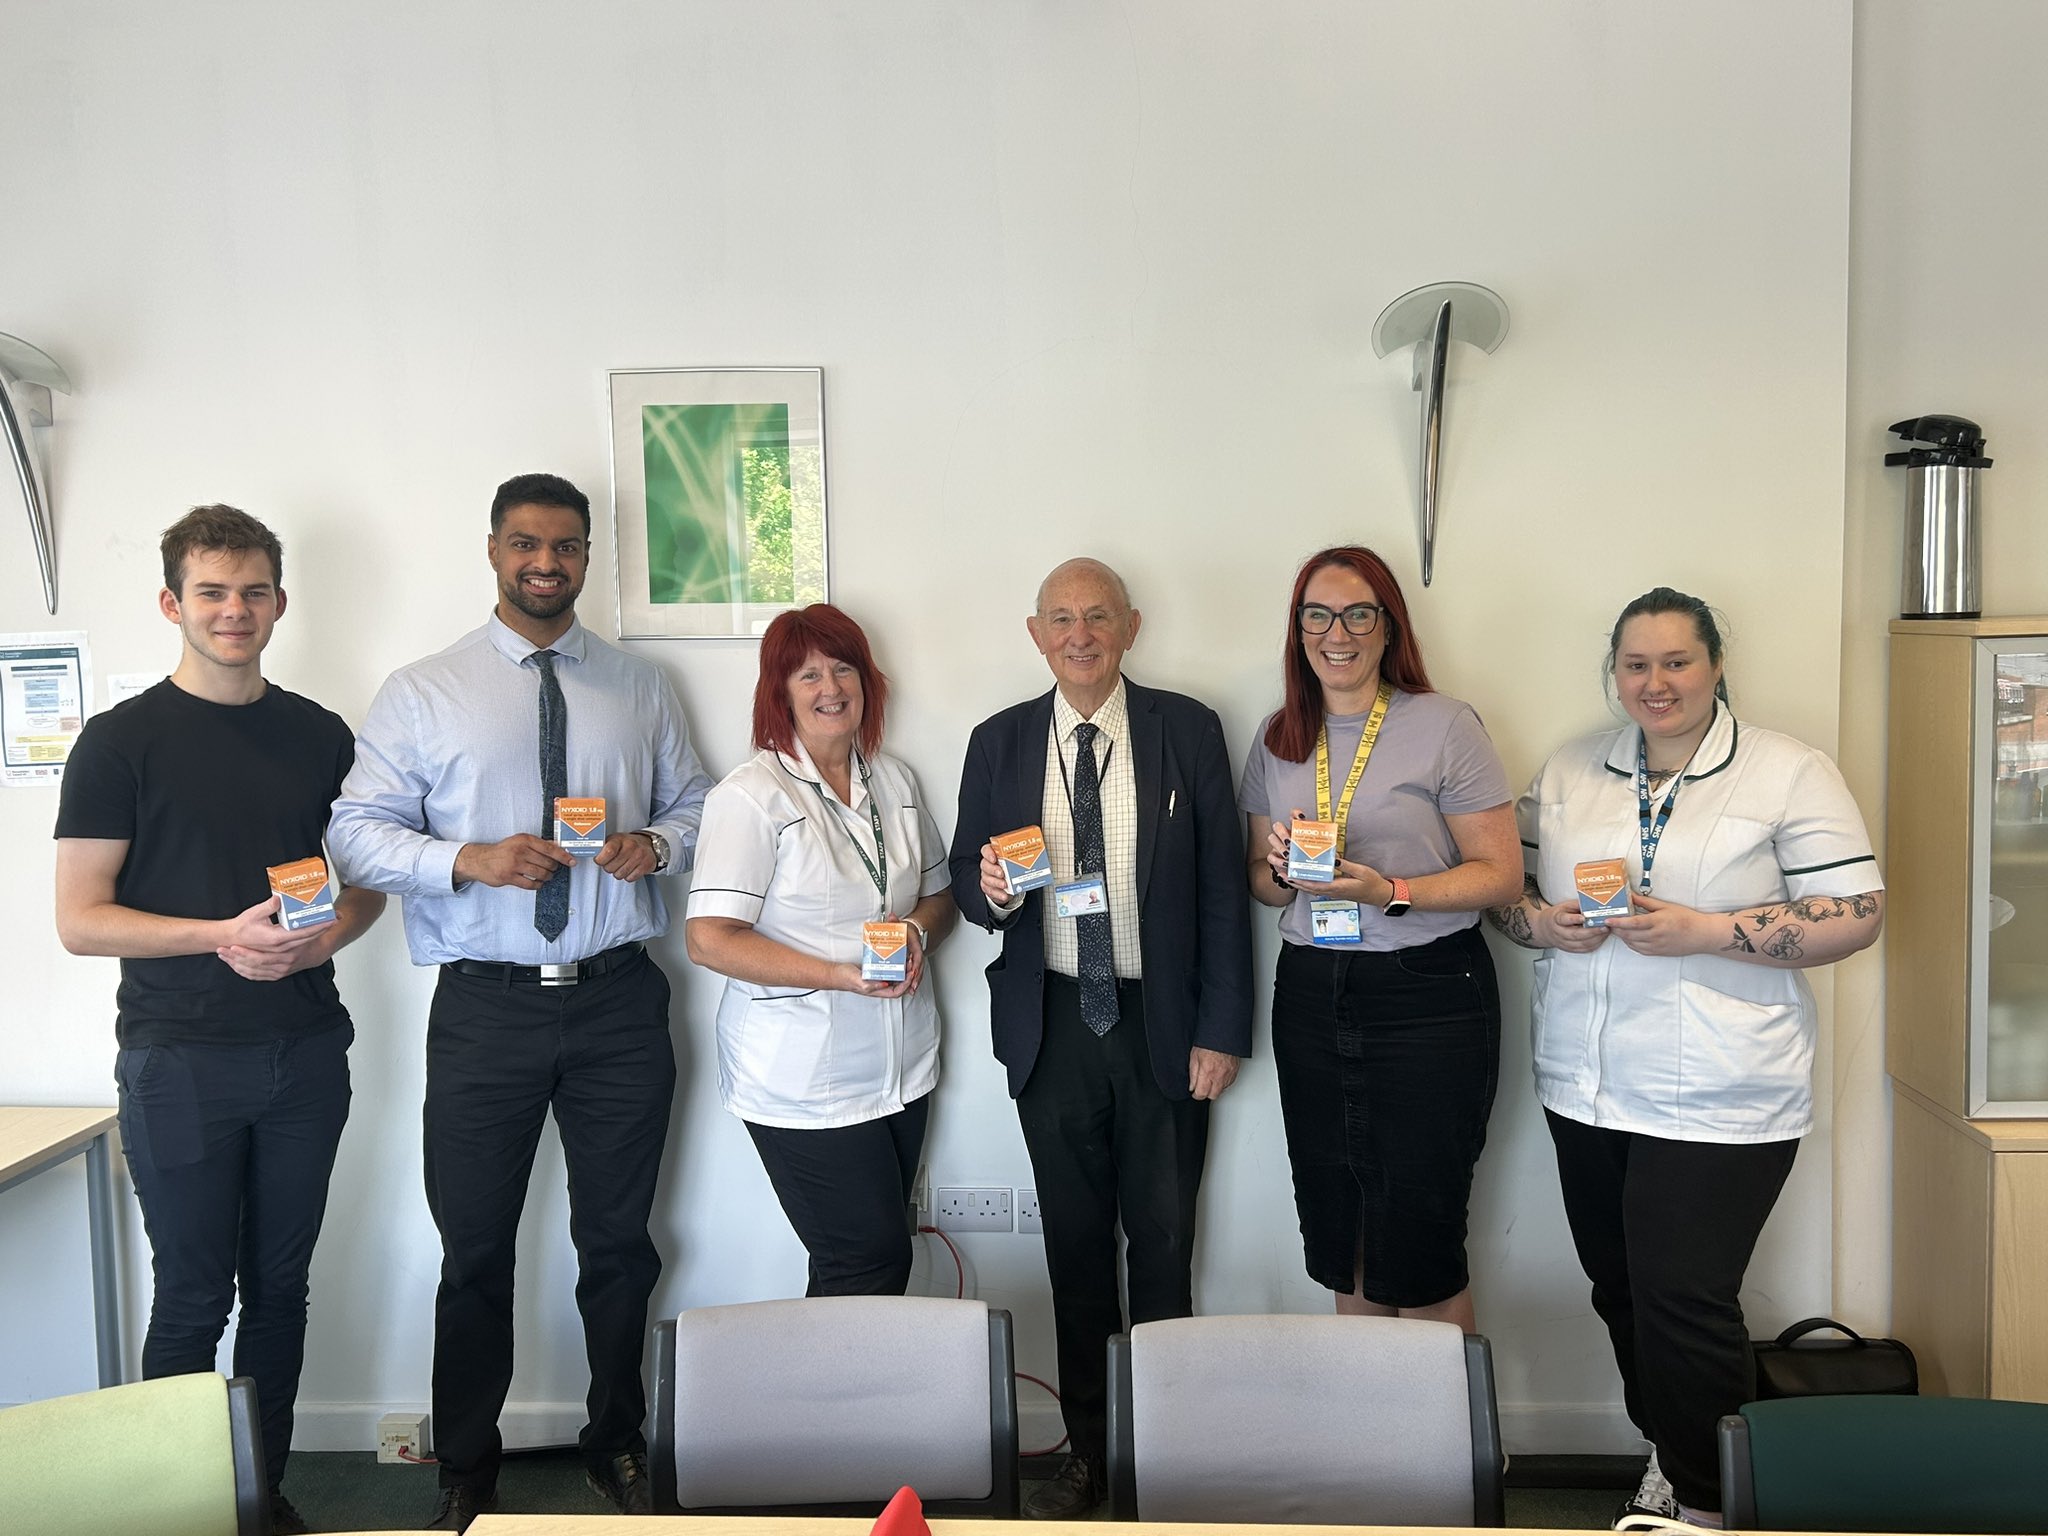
(1430, 319)
(27, 376)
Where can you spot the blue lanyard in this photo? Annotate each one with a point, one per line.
(1652, 829)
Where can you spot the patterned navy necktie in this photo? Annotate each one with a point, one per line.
(551, 901)
(1098, 952)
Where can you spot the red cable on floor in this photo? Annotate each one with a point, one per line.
(1027, 1376)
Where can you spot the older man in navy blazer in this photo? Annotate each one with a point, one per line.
(1121, 1001)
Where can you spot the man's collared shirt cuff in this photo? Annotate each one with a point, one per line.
(434, 874)
(682, 847)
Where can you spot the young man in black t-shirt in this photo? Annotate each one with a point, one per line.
(233, 1061)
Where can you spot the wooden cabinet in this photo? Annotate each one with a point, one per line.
(1966, 1001)
(1970, 1249)
(1966, 865)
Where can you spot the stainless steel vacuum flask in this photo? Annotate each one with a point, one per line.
(1942, 574)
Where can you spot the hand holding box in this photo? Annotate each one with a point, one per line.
(305, 893)
(1312, 852)
(1603, 890)
(885, 951)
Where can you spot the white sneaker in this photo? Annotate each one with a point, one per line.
(1653, 1497)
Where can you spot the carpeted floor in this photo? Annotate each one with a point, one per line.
(350, 1491)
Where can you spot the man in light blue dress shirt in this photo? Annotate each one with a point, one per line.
(547, 998)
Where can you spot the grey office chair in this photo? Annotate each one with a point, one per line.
(1883, 1463)
(828, 1405)
(1304, 1420)
(178, 1456)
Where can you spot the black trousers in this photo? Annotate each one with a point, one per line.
(846, 1190)
(500, 1055)
(230, 1148)
(1665, 1230)
(1105, 1144)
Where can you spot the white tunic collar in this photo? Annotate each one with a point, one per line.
(1716, 749)
(799, 765)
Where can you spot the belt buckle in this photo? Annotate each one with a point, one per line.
(561, 975)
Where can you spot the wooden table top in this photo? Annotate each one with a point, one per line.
(32, 1135)
(793, 1525)
(809, 1525)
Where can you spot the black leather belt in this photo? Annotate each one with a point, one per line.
(548, 975)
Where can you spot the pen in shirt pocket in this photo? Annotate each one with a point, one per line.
(1171, 796)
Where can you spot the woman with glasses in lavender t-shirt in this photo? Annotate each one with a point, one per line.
(1386, 1016)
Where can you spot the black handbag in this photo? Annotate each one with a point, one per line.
(1793, 1365)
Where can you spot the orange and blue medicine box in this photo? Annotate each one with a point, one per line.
(1312, 852)
(304, 891)
(884, 951)
(1603, 890)
(579, 824)
(1026, 864)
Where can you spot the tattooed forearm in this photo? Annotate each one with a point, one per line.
(1784, 944)
(1513, 920)
(1818, 909)
(1791, 933)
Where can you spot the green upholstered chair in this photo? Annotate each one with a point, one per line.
(174, 1457)
(1885, 1464)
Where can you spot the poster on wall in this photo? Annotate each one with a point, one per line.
(718, 498)
(44, 682)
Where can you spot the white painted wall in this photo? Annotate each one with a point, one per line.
(1947, 313)
(1082, 278)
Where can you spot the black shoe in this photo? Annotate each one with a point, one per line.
(1071, 1494)
(284, 1520)
(460, 1505)
(622, 1483)
(1653, 1497)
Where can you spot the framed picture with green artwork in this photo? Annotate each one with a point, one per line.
(718, 498)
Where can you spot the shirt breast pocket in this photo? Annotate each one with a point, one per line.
(1738, 866)
(1560, 845)
(1176, 819)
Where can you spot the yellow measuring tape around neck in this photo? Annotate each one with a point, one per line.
(1373, 722)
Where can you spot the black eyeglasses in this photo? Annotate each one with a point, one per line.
(1359, 618)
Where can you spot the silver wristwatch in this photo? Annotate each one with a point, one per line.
(660, 849)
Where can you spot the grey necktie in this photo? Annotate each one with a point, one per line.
(1098, 953)
(551, 901)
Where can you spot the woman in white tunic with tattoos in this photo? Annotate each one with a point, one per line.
(1674, 1046)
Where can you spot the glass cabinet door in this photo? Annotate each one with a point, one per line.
(2009, 974)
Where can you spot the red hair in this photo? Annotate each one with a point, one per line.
(789, 638)
(1291, 736)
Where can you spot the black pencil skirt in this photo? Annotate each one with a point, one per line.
(1387, 1063)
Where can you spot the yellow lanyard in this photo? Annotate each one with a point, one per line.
(1373, 722)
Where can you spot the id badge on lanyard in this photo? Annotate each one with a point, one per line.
(1078, 898)
(1334, 922)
